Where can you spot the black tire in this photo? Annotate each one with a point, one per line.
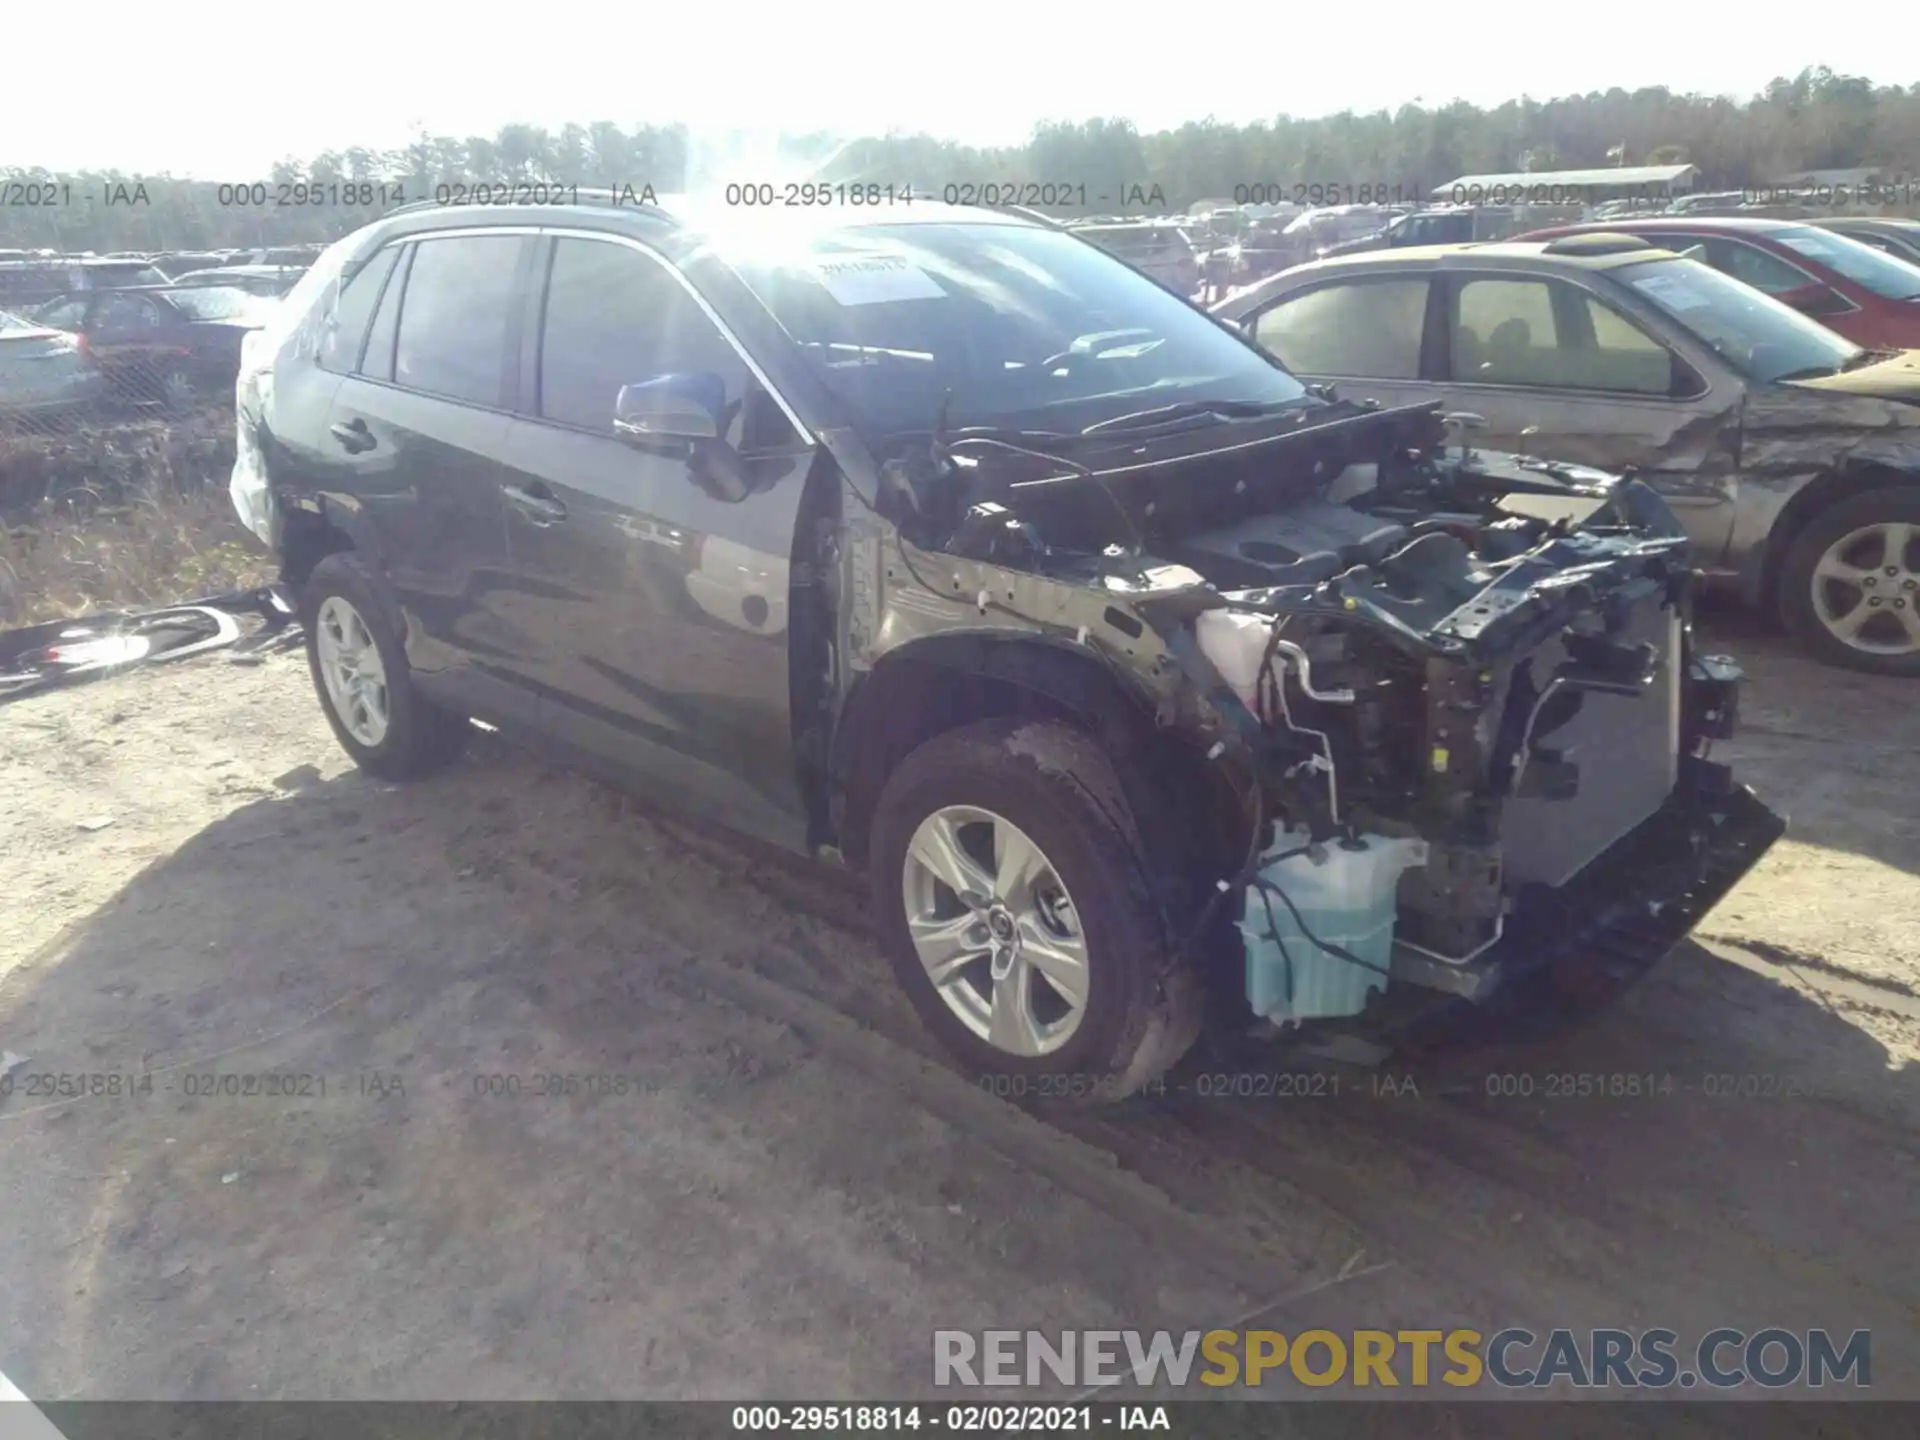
(1895, 503)
(420, 737)
(1058, 786)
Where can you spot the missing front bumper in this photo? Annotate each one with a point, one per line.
(1639, 899)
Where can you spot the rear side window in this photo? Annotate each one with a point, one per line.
(1367, 329)
(1542, 334)
(346, 328)
(454, 317)
(614, 317)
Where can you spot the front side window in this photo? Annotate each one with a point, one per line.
(459, 299)
(1005, 325)
(1548, 335)
(1366, 329)
(615, 317)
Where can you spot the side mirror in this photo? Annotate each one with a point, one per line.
(681, 405)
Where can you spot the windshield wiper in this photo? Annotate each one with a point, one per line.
(1809, 372)
(1187, 410)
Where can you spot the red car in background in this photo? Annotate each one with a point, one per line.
(1865, 294)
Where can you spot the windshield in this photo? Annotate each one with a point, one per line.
(1027, 328)
(214, 303)
(1752, 331)
(1878, 271)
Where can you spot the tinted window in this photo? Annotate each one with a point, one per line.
(210, 302)
(1545, 335)
(376, 361)
(1753, 266)
(346, 327)
(615, 317)
(1367, 328)
(454, 316)
(118, 310)
(63, 314)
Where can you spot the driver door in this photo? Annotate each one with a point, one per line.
(654, 599)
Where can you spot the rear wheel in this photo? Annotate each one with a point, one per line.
(1013, 893)
(1850, 584)
(365, 686)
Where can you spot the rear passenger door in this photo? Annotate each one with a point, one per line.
(1362, 334)
(1559, 373)
(657, 598)
(416, 444)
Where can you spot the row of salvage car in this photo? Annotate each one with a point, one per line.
(86, 336)
(1763, 375)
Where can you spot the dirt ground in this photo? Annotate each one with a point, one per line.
(790, 1192)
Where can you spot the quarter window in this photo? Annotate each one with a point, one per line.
(1368, 329)
(345, 330)
(454, 316)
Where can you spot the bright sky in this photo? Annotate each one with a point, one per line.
(223, 95)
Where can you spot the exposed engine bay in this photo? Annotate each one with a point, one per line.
(1458, 680)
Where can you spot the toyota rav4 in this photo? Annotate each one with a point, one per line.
(937, 543)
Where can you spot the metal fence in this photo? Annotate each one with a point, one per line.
(148, 435)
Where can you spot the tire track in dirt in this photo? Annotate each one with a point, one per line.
(1431, 1184)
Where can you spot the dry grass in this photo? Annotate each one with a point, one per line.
(120, 516)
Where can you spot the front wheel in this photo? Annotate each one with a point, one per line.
(1850, 584)
(1013, 893)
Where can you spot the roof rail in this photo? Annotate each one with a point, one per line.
(1039, 217)
(604, 196)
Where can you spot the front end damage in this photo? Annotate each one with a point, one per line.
(1457, 693)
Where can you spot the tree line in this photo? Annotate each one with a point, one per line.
(1812, 121)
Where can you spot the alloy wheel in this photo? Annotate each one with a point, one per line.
(996, 930)
(1866, 589)
(351, 668)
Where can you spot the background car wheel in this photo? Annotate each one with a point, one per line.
(1012, 890)
(1850, 584)
(366, 689)
(177, 393)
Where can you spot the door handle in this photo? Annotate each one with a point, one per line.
(353, 435)
(538, 507)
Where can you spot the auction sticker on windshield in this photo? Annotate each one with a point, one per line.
(1673, 292)
(876, 280)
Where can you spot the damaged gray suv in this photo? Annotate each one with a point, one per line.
(937, 543)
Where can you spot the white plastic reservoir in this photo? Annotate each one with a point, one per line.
(1346, 898)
